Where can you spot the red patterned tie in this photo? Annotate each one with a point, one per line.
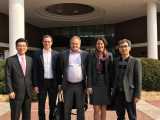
(23, 64)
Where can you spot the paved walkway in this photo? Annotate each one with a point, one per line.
(146, 111)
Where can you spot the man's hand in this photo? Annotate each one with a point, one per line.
(36, 89)
(136, 99)
(89, 91)
(59, 87)
(12, 95)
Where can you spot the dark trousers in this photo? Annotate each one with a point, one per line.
(122, 105)
(49, 88)
(21, 105)
(73, 94)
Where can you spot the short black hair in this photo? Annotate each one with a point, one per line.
(21, 40)
(47, 36)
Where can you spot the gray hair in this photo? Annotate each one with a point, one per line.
(124, 41)
(75, 37)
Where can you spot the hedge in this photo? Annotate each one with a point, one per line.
(150, 75)
(2, 65)
(2, 77)
(2, 81)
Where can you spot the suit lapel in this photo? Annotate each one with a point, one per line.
(94, 59)
(41, 57)
(129, 66)
(82, 57)
(27, 65)
(130, 69)
(67, 57)
(18, 65)
(52, 59)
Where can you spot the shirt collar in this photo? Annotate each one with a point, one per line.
(47, 51)
(77, 52)
(20, 55)
(125, 59)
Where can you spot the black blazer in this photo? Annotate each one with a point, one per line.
(15, 79)
(38, 69)
(92, 73)
(64, 61)
(132, 81)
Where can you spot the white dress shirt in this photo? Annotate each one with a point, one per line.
(74, 69)
(47, 58)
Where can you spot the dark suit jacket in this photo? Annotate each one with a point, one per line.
(15, 79)
(64, 61)
(92, 73)
(132, 81)
(38, 69)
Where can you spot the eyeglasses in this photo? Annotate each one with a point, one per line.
(123, 46)
(47, 41)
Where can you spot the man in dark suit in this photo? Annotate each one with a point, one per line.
(73, 69)
(45, 76)
(128, 82)
(18, 74)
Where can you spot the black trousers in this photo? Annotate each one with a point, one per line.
(122, 105)
(49, 88)
(21, 105)
(73, 94)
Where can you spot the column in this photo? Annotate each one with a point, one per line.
(5, 54)
(16, 23)
(152, 30)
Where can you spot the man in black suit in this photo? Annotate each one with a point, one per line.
(73, 69)
(45, 76)
(18, 74)
(128, 82)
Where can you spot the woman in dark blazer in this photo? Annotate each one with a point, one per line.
(98, 74)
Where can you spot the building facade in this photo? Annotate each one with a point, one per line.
(137, 20)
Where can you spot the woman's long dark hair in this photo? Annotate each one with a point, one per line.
(105, 52)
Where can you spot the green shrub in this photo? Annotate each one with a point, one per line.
(34, 96)
(2, 81)
(2, 77)
(150, 74)
(2, 88)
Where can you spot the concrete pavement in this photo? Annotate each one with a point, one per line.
(146, 111)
